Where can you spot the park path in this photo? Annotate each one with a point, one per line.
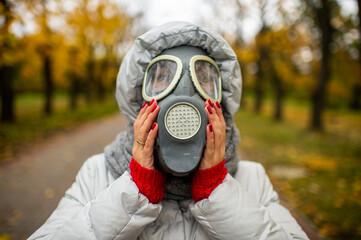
(32, 185)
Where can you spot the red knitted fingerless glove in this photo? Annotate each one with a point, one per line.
(150, 182)
(205, 181)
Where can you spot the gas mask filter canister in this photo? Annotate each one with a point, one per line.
(181, 79)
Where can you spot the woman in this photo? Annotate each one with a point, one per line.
(174, 173)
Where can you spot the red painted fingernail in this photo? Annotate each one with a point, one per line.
(217, 103)
(209, 109)
(210, 127)
(154, 107)
(153, 126)
(210, 102)
(151, 102)
(145, 103)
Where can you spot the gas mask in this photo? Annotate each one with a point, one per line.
(181, 79)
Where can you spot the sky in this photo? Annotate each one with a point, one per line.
(202, 12)
(157, 12)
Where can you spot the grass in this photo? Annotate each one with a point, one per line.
(32, 125)
(319, 173)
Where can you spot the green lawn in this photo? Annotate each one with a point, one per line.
(319, 173)
(32, 125)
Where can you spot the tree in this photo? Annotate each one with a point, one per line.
(321, 10)
(356, 90)
(262, 62)
(43, 38)
(95, 32)
(266, 72)
(6, 61)
(74, 75)
(45, 51)
(274, 66)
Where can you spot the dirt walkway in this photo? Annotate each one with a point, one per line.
(31, 186)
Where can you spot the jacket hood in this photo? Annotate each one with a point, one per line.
(172, 34)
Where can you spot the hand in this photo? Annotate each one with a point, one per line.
(215, 148)
(145, 131)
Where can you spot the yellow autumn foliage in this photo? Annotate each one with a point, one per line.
(317, 162)
(90, 33)
(5, 236)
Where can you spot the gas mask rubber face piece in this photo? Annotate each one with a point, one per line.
(181, 79)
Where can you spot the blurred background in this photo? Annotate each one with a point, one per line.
(301, 66)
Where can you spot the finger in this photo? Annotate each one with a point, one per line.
(145, 128)
(149, 144)
(218, 110)
(147, 111)
(219, 141)
(139, 122)
(211, 115)
(209, 150)
(143, 114)
(219, 147)
(211, 108)
(220, 138)
(219, 125)
(145, 151)
(209, 103)
(142, 110)
(210, 138)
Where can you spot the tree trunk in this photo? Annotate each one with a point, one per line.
(74, 91)
(258, 94)
(100, 84)
(355, 103)
(100, 90)
(278, 107)
(318, 96)
(6, 72)
(7, 94)
(48, 83)
(90, 81)
(278, 89)
(259, 82)
(356, 90)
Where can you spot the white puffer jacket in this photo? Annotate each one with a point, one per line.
(97, 206)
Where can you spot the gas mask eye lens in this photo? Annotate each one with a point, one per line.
(161, 77)
(207, 77)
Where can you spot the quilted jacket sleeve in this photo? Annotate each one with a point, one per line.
(117, 211)
(246, 207)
